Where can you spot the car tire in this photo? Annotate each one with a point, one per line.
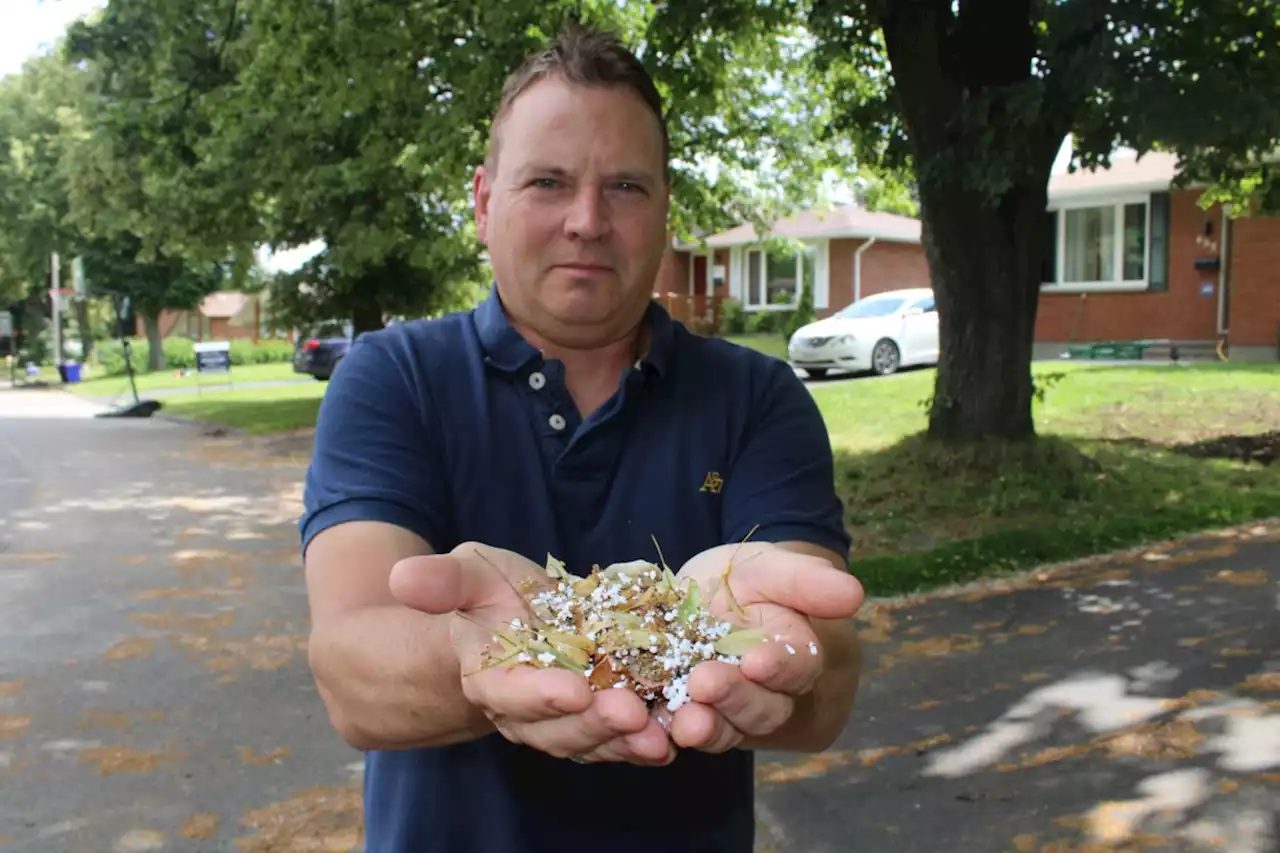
(815, 372)
(885, 357)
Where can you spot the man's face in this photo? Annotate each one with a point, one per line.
(575, 213)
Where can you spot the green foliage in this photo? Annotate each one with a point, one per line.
(179, 354)
(733, 319)
(801, 316)
(359, 125)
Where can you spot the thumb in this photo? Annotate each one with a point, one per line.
(443, 583)
(800, 582)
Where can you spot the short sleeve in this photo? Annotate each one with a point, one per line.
(783, 479)
(376, 451)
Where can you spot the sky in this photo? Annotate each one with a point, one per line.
(29, 27)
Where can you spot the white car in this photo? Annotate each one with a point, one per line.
(881, 333)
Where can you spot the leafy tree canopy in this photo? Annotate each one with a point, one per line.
(359, 124)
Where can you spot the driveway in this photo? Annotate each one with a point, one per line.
(154, 692)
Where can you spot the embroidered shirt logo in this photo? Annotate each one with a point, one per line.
(712, 483)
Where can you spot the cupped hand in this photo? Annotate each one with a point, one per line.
(779, 592)
(552, 710)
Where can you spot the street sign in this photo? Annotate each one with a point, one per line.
(213, 357)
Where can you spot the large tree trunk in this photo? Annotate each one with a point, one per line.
(984, 133)
(366, 316)
(985, 265)
(155, 343)
(86, 331)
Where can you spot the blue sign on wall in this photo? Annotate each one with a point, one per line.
(1206, 289)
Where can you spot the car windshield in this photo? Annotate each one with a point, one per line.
(872, 308)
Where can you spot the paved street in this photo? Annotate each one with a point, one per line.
(154, 693)
(1121, 705)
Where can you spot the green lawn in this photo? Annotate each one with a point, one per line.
(774, 345)
(253, 410)
(1107, 473)
(162, 380)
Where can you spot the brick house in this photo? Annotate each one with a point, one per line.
(1131, 258)
(844, 254)
(222, 316)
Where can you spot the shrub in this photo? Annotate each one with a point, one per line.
(180, 354)
(733, 320)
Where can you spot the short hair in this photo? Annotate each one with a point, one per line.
(583, 57)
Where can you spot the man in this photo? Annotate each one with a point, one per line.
(567, 415)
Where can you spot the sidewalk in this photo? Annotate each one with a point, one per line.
(50, 402)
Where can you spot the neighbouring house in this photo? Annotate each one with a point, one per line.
(221, 316)
(1130, 258)
(845, 254)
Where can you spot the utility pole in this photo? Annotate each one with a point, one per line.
(54, 296)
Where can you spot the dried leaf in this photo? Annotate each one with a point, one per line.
(641, 639)
(571, 640)
(587, 585)
(556, 569)
(736, 643)
(688, 609)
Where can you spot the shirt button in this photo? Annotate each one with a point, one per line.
(537, 380)
(557, 422)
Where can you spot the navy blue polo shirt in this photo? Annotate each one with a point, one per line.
(459, 430)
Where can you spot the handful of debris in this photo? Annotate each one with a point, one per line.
(628, 626)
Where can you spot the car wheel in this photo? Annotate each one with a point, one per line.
(815, 372)
(885, 358)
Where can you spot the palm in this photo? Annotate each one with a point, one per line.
(731, 594)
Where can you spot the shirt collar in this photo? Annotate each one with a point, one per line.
(507, 350)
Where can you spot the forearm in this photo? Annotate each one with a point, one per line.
(390, 679)
(821, 714)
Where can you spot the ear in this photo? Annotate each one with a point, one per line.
(481, 191)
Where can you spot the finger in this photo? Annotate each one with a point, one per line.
(790, 662)
(465, 579)
(801, 582)
(651, 747)
(612, 714)
(701, 727)
(527, 694)
(745, 705)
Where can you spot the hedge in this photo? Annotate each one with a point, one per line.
(180, 353)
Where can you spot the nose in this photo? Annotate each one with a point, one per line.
(588, 215)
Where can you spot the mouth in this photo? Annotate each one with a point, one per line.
(584, 267)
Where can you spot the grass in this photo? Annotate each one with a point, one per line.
(1104, 475)
(165, 380)
(253, 410)
(773, 344)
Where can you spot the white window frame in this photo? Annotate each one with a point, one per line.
(1118, 203)
(819, 250)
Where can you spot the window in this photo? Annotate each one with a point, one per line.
(873, 306)
(775, 278)
(926, 305)
(1115, 245)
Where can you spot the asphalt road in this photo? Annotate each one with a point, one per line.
(154, 693)
(1115, 705)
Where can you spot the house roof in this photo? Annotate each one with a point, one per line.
(1152, 171)
(223, 304)
(849, 220)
